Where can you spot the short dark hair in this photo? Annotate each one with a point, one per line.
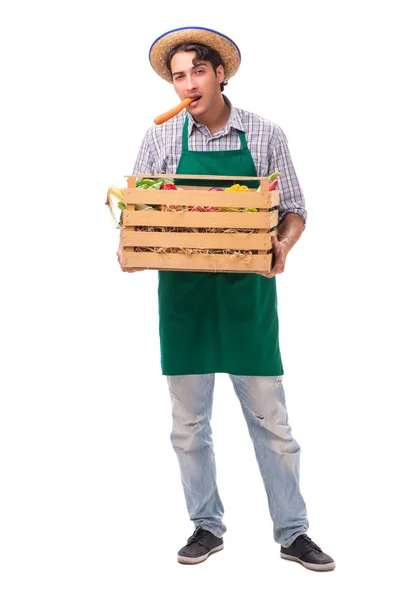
(203, 52)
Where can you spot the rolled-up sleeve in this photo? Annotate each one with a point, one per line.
(291, 199)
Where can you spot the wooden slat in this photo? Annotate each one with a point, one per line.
(236, 241)
(274, 216)
(220, 220)
(195, 262)
(274, 198)
(199, 198)
(182, 176)
(131, 179)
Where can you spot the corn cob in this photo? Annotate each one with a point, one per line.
(118, 193)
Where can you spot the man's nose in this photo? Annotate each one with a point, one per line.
(190, 83)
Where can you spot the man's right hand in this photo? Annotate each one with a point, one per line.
(119, 255)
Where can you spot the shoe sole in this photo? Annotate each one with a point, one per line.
(187, 560)
(311, 566)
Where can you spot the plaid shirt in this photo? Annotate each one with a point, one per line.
(161, 149)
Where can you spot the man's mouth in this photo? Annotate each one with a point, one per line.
(196, 101)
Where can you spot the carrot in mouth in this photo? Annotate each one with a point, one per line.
(174, 111)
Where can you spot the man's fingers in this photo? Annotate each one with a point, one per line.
(268, 275)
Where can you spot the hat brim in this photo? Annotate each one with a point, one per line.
(225, 47)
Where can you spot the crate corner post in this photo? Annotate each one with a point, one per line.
(131, 181)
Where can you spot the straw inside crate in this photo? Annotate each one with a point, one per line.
(229, 253)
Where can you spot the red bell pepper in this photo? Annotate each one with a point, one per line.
(273, 185)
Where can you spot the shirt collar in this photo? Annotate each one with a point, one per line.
(234, 120)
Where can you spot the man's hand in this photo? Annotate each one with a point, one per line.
(119, 255)
(280, 251)
(289, 231)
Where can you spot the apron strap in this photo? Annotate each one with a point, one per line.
(185, 137)
(242, 140)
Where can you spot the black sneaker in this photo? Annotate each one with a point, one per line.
(307, 553)
(199, 546)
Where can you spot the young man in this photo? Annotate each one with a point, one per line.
(226, 322)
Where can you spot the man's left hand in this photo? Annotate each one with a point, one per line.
(280, 251)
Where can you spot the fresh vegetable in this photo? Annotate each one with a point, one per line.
(168, 184)
(152, 184)
(113, 190)
(174, 111)
(116, 191)
(274, 176)
(146, 183)
(273, 185)
(237, 188)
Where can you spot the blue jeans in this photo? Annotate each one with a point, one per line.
(277, 452)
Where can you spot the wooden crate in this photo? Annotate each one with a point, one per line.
(259, 243)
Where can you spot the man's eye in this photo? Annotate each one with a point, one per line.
(200, 71)
(178, 77)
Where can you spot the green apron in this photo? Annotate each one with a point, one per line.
(218, 322)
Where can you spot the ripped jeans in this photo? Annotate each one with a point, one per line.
(277, 452)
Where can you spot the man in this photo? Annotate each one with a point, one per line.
(226, 322)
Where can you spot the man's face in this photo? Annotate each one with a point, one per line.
(197, 80)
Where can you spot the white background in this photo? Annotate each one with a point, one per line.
(91, 503)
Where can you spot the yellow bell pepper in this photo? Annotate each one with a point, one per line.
(237, 188)
(233, 188)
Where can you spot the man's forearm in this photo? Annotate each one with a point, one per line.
(290, 230)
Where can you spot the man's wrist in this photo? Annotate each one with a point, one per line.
(286, 241)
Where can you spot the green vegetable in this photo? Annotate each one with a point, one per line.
(146, 184)
(152, 184)
(122, 206)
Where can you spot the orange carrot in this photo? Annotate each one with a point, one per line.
(174, 111)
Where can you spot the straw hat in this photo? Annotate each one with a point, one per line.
(225, 47)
